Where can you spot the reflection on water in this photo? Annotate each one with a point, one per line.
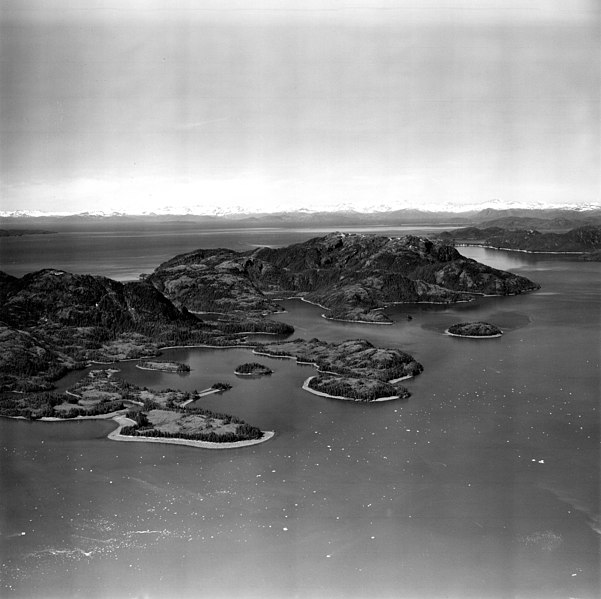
(485, 483)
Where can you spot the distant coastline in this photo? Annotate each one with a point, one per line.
(492, 247)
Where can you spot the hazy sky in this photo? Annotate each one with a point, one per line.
(116, 105)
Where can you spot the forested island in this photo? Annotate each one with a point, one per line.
(189, 424)
(163, 366)
(252, 369)
(355, 389)
(353, 369)
(221, 386)
(474, 330)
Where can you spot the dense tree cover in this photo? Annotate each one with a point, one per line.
(351, 358)
(244, 432)
(273, 353)
(98, 410)
(241, 434)
(221, 386)
(252, 368)
(232, 327)
(165, 365)
(52, 321)
(29, 405)
(139, 417)
(42, 405)
(226, 418)
(27, 364)
(475, 329)
(349, 388)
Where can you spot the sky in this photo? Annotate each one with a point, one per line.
(212, 106)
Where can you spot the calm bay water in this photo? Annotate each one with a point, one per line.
(485, 483)
(126, 253)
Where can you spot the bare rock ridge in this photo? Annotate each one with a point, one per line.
(353, 276)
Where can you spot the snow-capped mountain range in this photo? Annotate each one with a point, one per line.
(240, 211)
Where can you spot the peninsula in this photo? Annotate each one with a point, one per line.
(165, 415)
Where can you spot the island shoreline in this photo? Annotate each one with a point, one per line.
(306, 387)
(122, 420)
(473, 336)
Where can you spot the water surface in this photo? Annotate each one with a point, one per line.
(485, 483)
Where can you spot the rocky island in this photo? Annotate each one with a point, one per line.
(252, 369)
(351, 276)
(474, 330)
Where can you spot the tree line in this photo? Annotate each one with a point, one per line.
(341, 388)
(244, 432)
